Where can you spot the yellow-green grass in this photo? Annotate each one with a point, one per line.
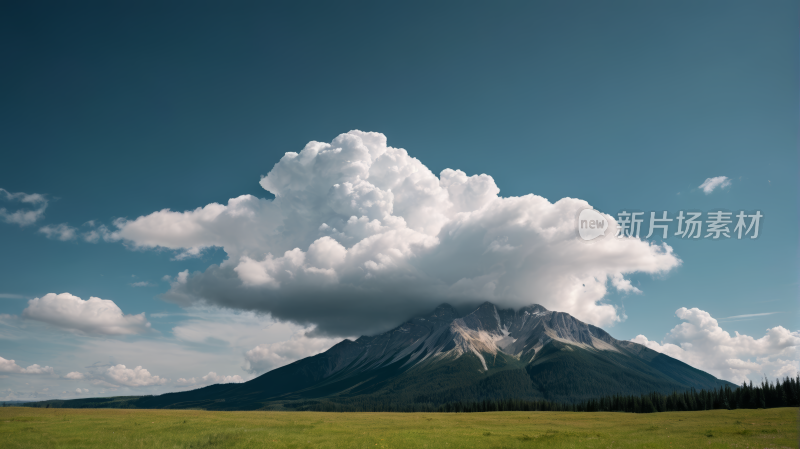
(106, 428)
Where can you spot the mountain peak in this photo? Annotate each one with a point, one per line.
(484, 318)
(444, 311)
(444, 306)
(534, 308)
(486, 333)
(531, 308)
(441, 357)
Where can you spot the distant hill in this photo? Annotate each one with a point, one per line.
(10, 403)
(490, 353)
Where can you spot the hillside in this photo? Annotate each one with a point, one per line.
(490, 353)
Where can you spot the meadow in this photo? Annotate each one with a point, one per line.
(102, 428)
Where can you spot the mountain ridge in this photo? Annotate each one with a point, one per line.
(489, 353)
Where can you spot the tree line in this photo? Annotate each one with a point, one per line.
(747, 396)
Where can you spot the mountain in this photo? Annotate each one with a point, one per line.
(490, 353)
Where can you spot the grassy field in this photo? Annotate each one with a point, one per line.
(103, 428)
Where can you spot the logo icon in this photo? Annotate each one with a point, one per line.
(591, 224)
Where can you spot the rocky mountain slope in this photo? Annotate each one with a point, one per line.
(490, 353)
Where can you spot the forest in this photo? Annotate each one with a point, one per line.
(767, 394)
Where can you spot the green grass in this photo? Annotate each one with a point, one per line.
(103, 428)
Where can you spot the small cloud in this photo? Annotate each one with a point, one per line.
(750, 315)
(265, 357)
(710, 184)
(188, 254)
(63, 232)
(22, 216)
(91, 316)
(103, 375)
(136, 377)
(208, 379)
(95, 235)
(142, 284)
(11, 296)
(10, 366)
(623, 285)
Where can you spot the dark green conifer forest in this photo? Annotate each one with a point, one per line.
(784, 393)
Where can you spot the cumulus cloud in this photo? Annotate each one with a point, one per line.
(33, 207)
(63, 232)
(10, 366)
(266, 357)
(208, 379)
(702, 343)
(110, 376)
(710, 184)
(361, 235)
(136, 377)
(92, 316)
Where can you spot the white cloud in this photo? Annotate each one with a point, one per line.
(81, 391)
(95, 235)
(702, 343)
(11, 296)
(161, 353)
(236, 330)
(141, 284)
(36, 369)
(208, 379)
(92, 316)
(35, 202)
(361, 235)
(623, 285)
(10, 366)
(266, 357)
(710, 184)
(749, 315)
(63, 232)
(136, 377)
(241, 331)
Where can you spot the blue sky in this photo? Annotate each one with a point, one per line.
(115, 112)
